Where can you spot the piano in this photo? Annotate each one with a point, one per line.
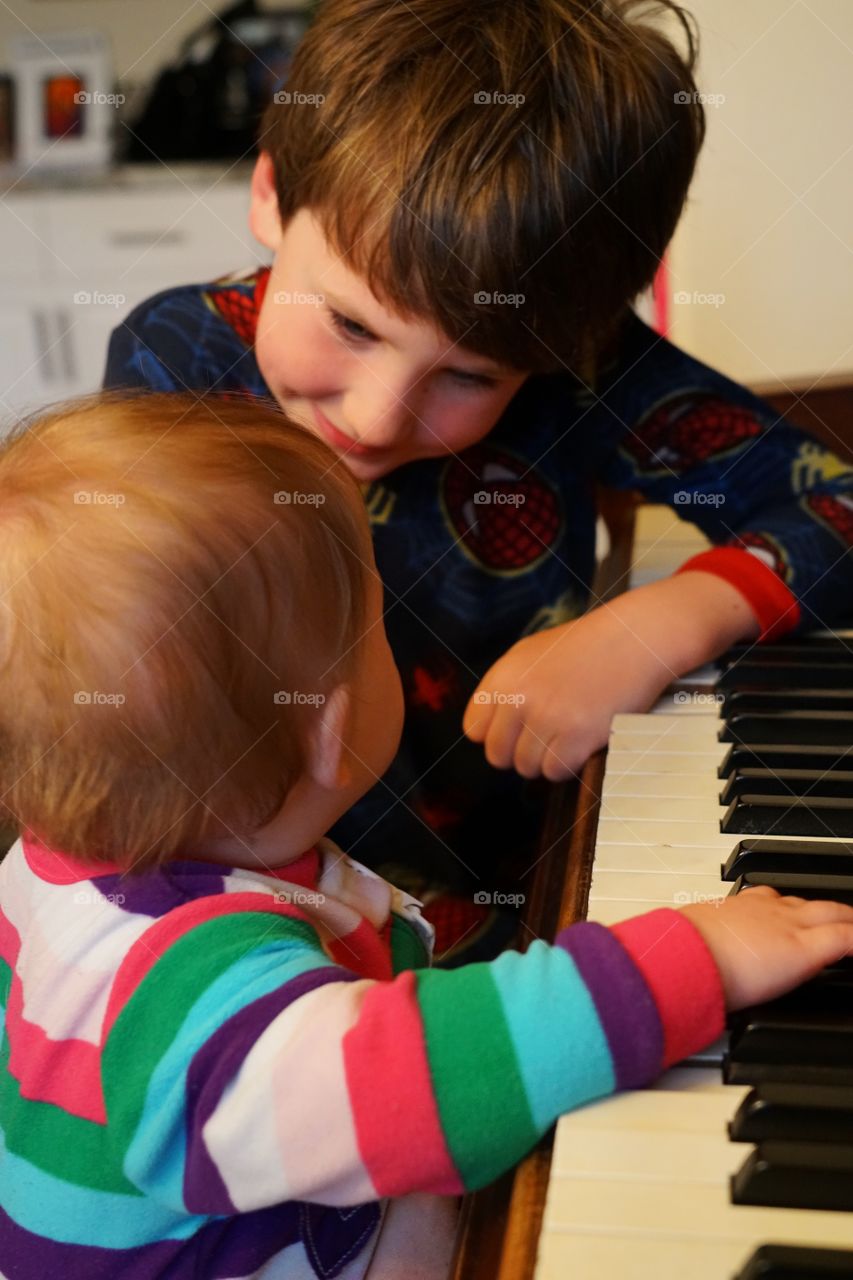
(738, 1164)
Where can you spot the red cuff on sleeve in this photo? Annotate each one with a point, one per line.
(682, 976)
(773, 604)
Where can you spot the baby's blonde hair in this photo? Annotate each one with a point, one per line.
(182, 581)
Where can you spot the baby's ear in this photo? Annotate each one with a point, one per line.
(264, 220)
(327, 763)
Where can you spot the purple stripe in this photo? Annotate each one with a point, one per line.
(156, 892)
(213, 1068)
(623, 1001)
(222, 1248)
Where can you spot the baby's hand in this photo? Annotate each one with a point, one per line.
(765, 943)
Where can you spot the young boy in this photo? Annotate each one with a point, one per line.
(461, 202)
(222, 1053)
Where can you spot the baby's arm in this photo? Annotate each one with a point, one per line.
(246, 1069)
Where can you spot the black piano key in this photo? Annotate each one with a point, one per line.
(795, 857)
(777, 755)
(834, 784)
(832, 888)
(815, 674)
(785, 699)
(805, 1036)
(797, 1262)
(752, 815)
(796, 1175)
(830, 728)
(829, 649)
(794, 1112)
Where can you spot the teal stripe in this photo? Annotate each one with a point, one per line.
(63, 1211)
(552, 1021)
(156, 1154)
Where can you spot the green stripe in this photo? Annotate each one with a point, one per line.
(158, 1008)
(407, 949)
(478, 1087)
(65, 1146)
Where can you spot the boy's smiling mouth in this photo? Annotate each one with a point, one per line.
(341, 441)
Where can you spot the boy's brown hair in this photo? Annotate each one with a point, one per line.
(567, 199)
(182, 581)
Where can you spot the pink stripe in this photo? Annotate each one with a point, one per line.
(64, 1072)
(363, 951)
(396, 1115)
(61, 868)
(682, 976)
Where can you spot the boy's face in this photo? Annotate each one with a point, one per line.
(379, 390)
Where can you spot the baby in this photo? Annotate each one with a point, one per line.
(225, 1053)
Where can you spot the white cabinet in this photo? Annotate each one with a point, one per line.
(74, 261)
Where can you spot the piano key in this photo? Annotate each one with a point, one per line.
(809, 857)
(820, 727)
(677, 764)
(663, 786)
(796, 1175)
(784, 698)
(799, 1112)
(834, 784)
(832, 888)
(753, 815)
(805, 1036)
(837, 648)
(787, 1262)
(814, 674)
(785, 756)
(650, 807)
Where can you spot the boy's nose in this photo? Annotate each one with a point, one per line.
(379, 421)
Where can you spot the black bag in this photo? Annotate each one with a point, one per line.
(208, 105)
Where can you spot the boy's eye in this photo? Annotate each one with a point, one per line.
(350, 327)
(473, 379)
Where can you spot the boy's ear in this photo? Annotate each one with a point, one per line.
(264, 221)
(327, 764)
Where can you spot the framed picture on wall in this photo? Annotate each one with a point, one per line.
(64, 104)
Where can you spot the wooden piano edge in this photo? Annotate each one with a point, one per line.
(500, 1225)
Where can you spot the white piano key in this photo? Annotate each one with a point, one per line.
(681, 702)
(703, 785)
(659, 831)
(669, 888)
(647, 744)
(703, 728)
(694, 764)
(672, 809)
(638, 857)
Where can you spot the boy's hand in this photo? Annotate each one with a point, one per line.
(547, 704)
(765, 943)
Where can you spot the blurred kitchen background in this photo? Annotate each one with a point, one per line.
(144, 185)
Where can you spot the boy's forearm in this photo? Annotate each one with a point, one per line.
(688, 619)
